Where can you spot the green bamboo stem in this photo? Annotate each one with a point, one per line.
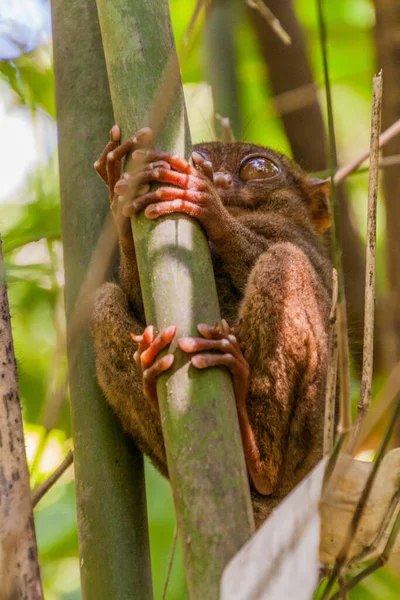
(111, 502)
(204, 451)
(220, 54)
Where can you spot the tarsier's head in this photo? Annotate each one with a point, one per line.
(253, 177)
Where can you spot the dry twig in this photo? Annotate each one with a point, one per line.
(42, 489)
(331, 379)
(378, 563)
(271, 19)
(355, 521)
(384, 138)
(368, 349)
(170, 563)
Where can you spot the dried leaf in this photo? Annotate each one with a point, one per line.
(340, 500)
(281, 559)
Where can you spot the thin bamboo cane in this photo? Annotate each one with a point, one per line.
(204, 450)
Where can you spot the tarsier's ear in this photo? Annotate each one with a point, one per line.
(320, 207)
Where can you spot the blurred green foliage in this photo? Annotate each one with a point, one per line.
(30, 227)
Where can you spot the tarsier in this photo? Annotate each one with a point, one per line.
(264, 220)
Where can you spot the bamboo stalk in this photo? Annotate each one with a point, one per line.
(109, 475)
(19, 564)
(368, 346)
(198, 413)
(221, 63)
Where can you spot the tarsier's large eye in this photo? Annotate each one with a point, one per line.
(258, 167)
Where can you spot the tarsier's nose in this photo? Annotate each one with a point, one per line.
(223, 180)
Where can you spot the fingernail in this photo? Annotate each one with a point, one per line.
(150, 211)
(139, 153)
(197, 361)
(136, 338)
(197, 157)
(121, 183)
(143, 189)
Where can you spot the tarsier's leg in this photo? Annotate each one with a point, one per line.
(282, 332)
(279, 379)
(122, 369)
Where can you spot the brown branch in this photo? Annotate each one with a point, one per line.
(331, 379)
(353, 165)
(369, 312)
(19, 564)
(42, 489)
(344, 424)
(271, 19)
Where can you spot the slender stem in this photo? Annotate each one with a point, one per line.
(170, 563)
(384, 138)
(371, 548)
(378, 563)
(342, 589)
(42, 489)
(344, 424)
(370, 267)
(331, 378)
(355, 521)
(343, 341)
(271, 19)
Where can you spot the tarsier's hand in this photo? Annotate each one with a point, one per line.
(204, 353)
(108, 166)
(190, 191)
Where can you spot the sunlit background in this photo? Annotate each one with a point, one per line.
(30, 227)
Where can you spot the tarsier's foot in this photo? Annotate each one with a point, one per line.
(146, 359)
(214, 338)
(191, 189)
(229, 355)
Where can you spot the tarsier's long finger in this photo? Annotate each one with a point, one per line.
(224, 345)
(114, 160)
(101, 163)
(236, 367)
(159, 343)
(174, 160)
(165, 195)
(150, 377)
(226, 329)
(205, 166)
(144, 340)
(211, 332)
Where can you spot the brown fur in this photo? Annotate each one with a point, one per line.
(273, 279)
